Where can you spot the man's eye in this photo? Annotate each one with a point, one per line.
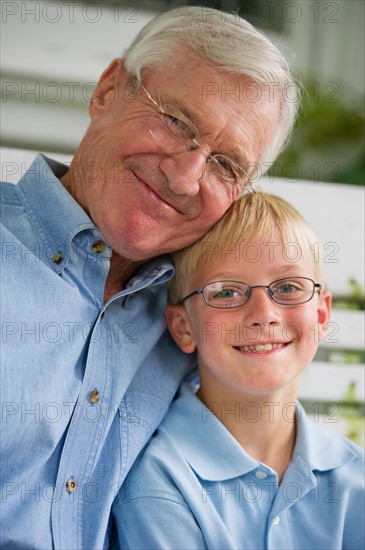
(179, 126)
(226, 165)
(176, 121)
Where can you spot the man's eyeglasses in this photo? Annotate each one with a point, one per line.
(175, 133)
(291, 291)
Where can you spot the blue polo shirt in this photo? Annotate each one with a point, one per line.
(84, 383)
(195, 487)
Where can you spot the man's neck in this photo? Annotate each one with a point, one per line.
(120, 271)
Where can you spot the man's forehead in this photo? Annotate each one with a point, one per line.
(231, 123)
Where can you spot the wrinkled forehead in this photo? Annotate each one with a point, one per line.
(199, 85)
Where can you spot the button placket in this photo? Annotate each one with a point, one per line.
(86, 429)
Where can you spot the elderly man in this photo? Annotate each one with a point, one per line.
(196, 107)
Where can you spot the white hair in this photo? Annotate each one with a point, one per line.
(228, 42)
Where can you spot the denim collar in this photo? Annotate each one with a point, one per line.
(54, 213)
(58, 218)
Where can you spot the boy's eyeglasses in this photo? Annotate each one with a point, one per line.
(175, 133)
(229, 294)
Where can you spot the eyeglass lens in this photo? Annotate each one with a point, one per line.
(227, 294)
(175, 133)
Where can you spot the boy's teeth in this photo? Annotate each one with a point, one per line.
(261, 347)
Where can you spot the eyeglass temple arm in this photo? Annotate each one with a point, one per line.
(180, 302)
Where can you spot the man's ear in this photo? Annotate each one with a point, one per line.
(109, 88)
(323, 313)
(179, 327)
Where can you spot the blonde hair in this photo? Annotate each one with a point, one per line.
(253, 216)
(228, 42)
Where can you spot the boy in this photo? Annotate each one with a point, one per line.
(238, 464)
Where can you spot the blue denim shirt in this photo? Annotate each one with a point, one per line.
(195, 487)
(84, 384)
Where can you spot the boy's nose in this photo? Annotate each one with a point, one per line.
(261, 309)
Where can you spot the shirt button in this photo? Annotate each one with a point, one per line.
(57, 258)
(98, 246)
(71, 485)
(260, 474)
(276, 520)
(94, 396)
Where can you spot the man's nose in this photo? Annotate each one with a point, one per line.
(185, 170)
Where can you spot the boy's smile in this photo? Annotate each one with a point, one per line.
(262, 347)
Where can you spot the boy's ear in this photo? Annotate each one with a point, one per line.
(323, 313)
(179, 327)
(109, 88)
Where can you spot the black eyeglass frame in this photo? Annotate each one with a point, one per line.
(317, 287)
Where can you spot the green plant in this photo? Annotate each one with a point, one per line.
(329, 137)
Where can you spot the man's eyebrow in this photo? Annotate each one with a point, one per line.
(238, 158)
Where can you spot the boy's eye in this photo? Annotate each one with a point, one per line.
(225, 293)
(220, 294)
(286, 289)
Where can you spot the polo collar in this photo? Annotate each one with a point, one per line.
(320, 449)
(210, 449)
(220, 457)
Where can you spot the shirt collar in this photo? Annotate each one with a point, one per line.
(58, 218)
(211, 450)
(158, 270)
(215, 455)
(55, 214)
(320, 449)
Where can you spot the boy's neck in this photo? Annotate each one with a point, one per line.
(264, 427)
(272, 445)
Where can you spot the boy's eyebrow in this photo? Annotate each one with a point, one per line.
(284, 270)
(223, 277)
